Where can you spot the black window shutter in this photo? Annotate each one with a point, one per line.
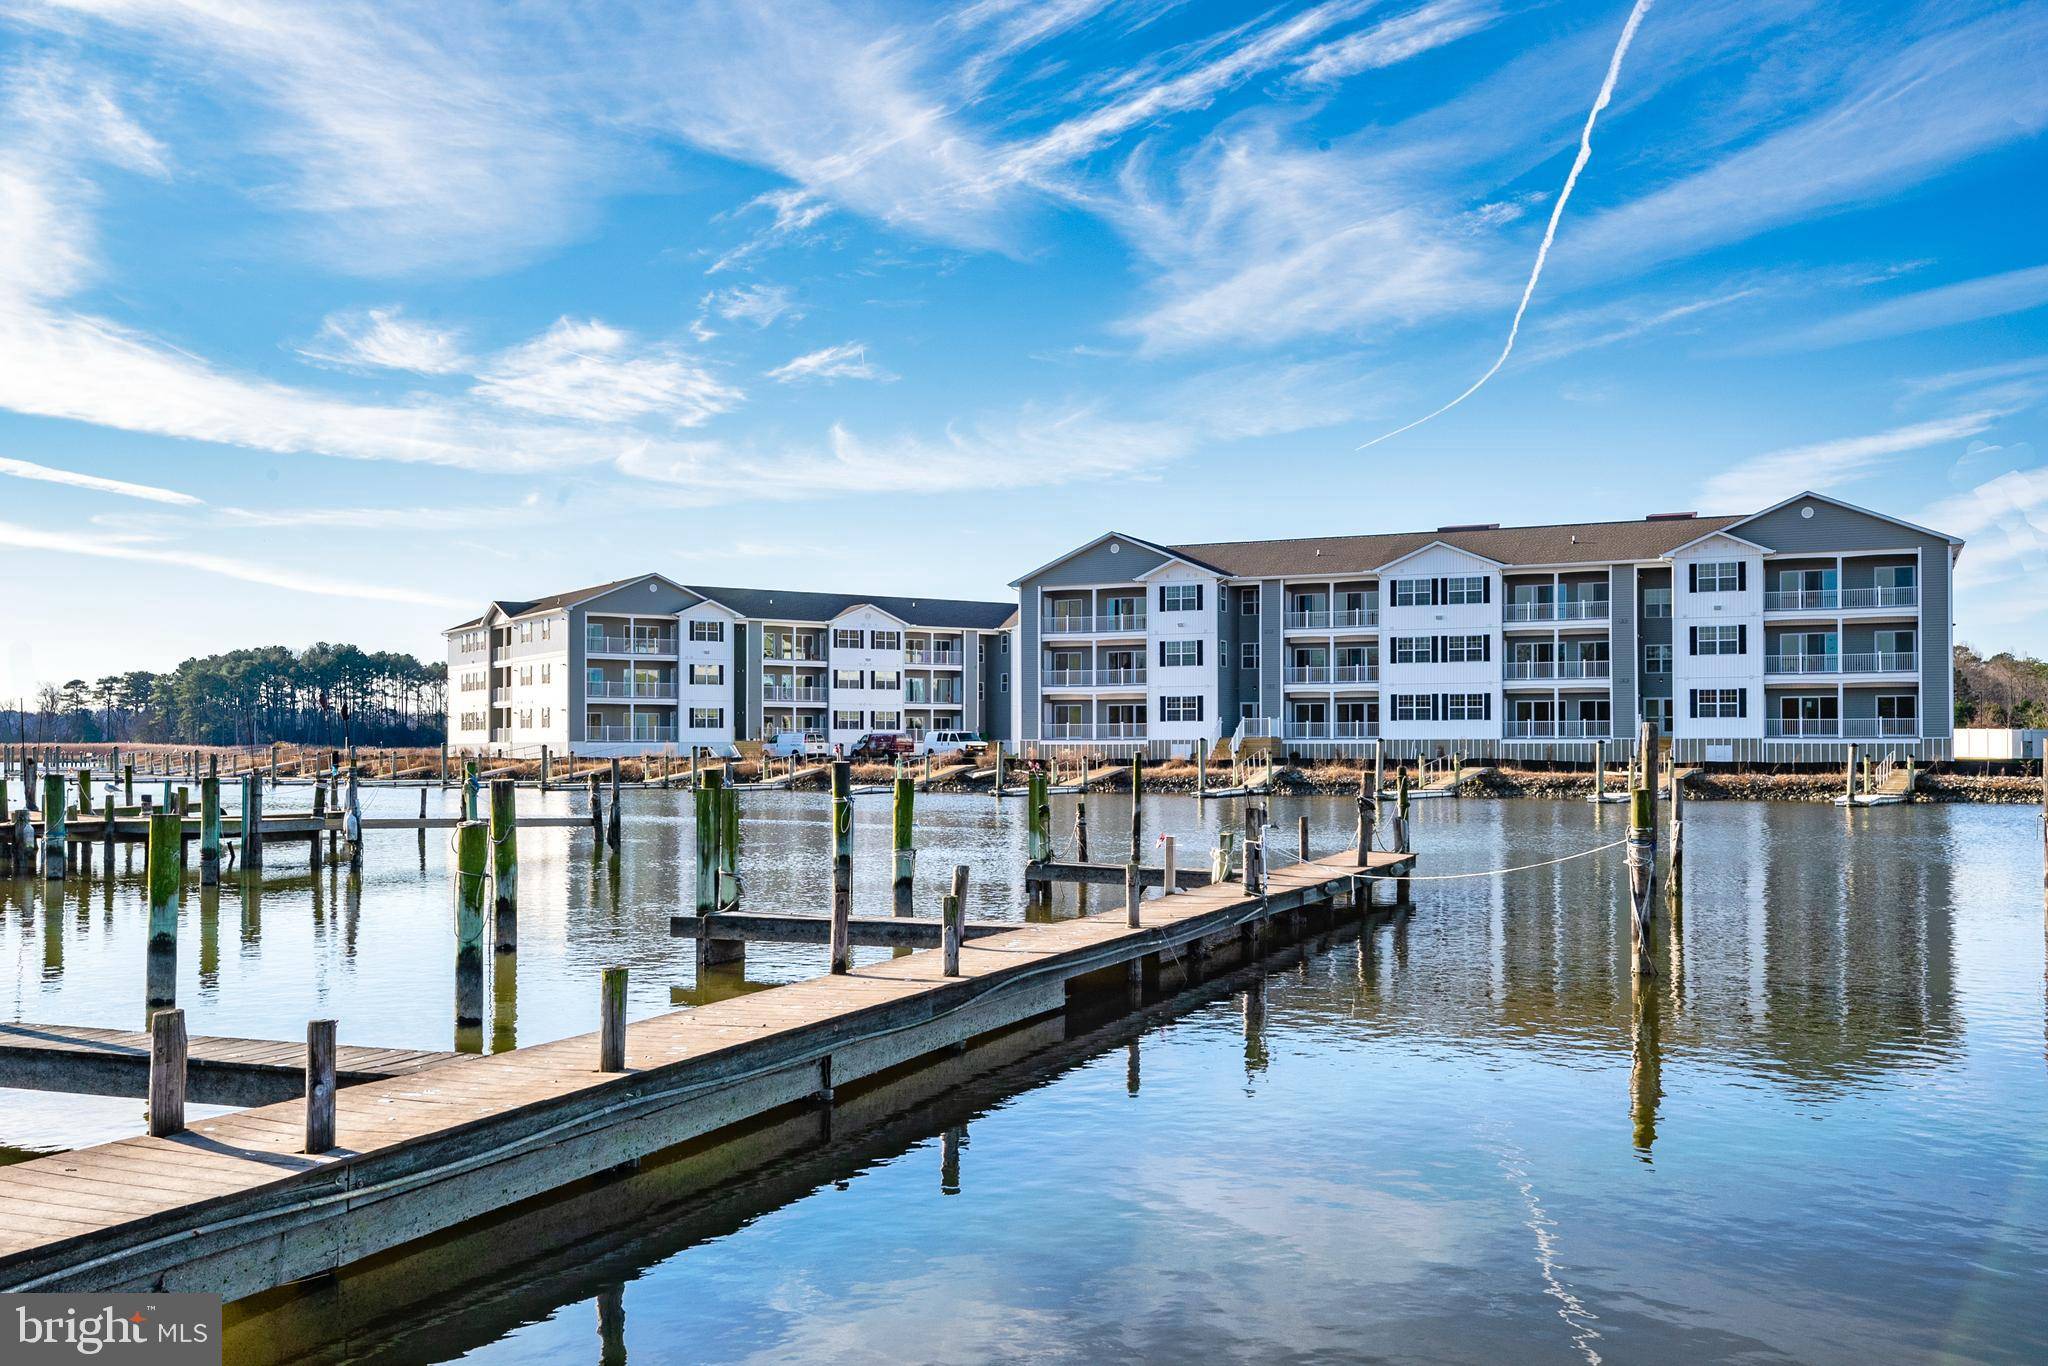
(1692, 635)
(1486, 588)
(1742, 576)
(1198, 597)
(1162, 597)
(1742, 702)
(1486, 706)
(1692, 579)
(1486, 647)
(1162, 654)
(1742, 640)
(1198, 706)
(1198, 660)
(1695, 696)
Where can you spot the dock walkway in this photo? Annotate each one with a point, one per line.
(115, 1062)
(234, 1206)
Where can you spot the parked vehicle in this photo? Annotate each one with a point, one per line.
(882, 745)
(948, 742)
(792, 744)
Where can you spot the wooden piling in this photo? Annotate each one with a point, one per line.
(85, 790)
(611, 1038)
(54, 833)
(1366, 806)
(320, 1085)
(504, 867)
(28, 784)
(1674, 885)
(842, 865)
(611, 836)
(472, 870)
(1642, 877)
(1379, 771)
(252, 823)
(1301, 837)
(902, 832)
(1401, 810)
(1201, 769)
(1039, 821)
(8, 857)
(1132, 894)
(209, 831)
(469, 789)
(1137, 816)
(167, 1073)
(543, 768)
(954, 924)
(128, 784)
(999, 768)
(1599, 770)
(1254, 849)
(1081, 816)
(1168, 884)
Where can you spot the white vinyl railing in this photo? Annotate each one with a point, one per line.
(1582, 668)
(1907, 596)
(630, 735)
(1838, 599)
(1091, 678)
(919, 655)
(598, 644)
(1529, 668)
(1880, 727)
(1081, 624)
(625, 689)
(1802, 727)
(786, 695)
(1881, 662)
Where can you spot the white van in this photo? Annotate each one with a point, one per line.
(948, 742)
(793, 744)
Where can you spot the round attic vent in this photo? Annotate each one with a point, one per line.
(1114, 548)
(1806, 511)
(653, 588)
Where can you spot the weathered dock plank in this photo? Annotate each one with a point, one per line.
(425, 1151)
(220, 1071)
(866, 931)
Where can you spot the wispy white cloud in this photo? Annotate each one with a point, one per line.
(1392, 41)
(385, 339)
(48, 474)
(849, 360)
(371, 518)
(1911, 113)
(758, 305)
(596, 373)
(1990, 296)
(1764, 479)
(246, 571)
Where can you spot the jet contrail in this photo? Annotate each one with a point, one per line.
(1628, 33)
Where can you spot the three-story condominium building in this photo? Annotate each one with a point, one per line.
(647, 663)
(1782, 635)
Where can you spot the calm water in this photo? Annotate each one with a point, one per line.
(1823, 1136)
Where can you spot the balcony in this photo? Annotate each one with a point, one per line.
(1570, 609)
(1881, 728)
(1883, 662)
(1108, 730)
(1802, 728)
(598, 644)
(1842, 599)
(1081, 624)
(918, 654)
(1092, 678)
(1529, 668)
(630, 735)
(1582, 668)
(802, 654)
(629, 690)
(501, 694)
(1309, 673)
(1307, 621)
(1529, 730)
(788, 696)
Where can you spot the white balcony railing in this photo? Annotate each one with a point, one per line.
(1584, 730)
(1880, 662)
(1582, 668)
(1528, 611)
(1594, 729)
(627, 690)
(630, 735)
(793, 695)
(802, 654)
(1529, 668)
(1106, 730)
(1582, 609)
(1839, 599)
(598, 644)
(1308, 730)
(1081, 624)
(1340, 620)
(1092, 678)
(1880, 727)
(1802, 727)
(1309, 673)
(1331, 730)
(1314, 620)
(919, 655)
(501, 694)
(1529, 730)
(1355, 673)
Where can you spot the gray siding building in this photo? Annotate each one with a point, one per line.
(648, 663)
(1777, 636)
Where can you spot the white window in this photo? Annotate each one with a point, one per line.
(707, 630)
(547, 673)
(1465, 649)
(887, 682)
(1411, 706)
(1180, 708)
(846, 720)
(707, 718)
(1175, 654)
(547, 717)
(847, 638)
(1656, 602)
(1248, 601)
(1719, 702)
(547, 627)
(887, 720)
(703, 674)
(1468, 589)
(1411, 593)
(847, 678)
(1411, 650)
(1719, 640)
(1180, 597)
(1717, 576)
(885, 640)
(1467, 706)
(1251, 654)
(1656, 659)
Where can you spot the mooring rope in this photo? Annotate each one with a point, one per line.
(1499, 872)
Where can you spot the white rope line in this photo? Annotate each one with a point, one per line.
(1498, 872)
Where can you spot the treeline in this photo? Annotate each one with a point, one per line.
(326, 694)
(2005, 690)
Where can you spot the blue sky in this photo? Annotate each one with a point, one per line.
(332, 322)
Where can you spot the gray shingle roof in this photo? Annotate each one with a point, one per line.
(775, 604)
(1565, 543)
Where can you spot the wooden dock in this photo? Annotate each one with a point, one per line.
(114, 1062)
(233, 1205)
